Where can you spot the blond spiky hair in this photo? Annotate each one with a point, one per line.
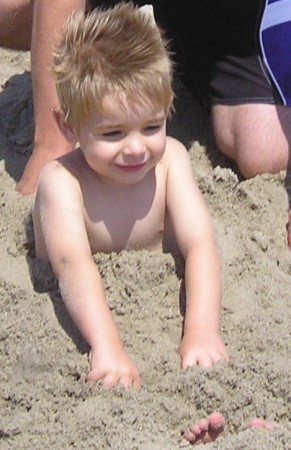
(118, 51)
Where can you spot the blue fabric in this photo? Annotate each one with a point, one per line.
(275, 41)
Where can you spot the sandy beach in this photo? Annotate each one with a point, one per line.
(45, 402)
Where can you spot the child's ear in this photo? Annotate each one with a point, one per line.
(65, 127)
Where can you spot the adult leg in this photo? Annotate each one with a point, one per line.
(256, 136)
(48, 19)
(16, 24)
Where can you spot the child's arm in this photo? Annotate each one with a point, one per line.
(201, 343)
(59, 207)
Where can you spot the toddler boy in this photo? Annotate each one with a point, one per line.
(126, 186)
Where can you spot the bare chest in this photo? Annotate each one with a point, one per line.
(128, 219)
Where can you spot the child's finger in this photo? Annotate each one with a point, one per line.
(129, 381)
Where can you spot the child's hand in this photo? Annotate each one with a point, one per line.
(203, 349)
(113, 367)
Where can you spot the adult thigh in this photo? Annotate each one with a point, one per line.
(256, 136)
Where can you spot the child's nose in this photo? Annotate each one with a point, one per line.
(134, 145)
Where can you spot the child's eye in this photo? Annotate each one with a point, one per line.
(112, 134)
(153, 128)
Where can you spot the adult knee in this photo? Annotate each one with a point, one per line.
(256, 137)
(252, 158)
(249, 167)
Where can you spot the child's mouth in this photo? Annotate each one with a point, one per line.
(131, 167)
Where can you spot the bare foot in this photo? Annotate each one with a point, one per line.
(207, 430)
(210, 429)
(260, 423)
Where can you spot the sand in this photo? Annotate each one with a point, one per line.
(45, 402)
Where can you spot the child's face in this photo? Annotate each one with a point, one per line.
(123, 144)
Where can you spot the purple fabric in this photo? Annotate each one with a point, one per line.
(275, 41)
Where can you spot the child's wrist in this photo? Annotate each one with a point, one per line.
(112, 340)
(194, 331)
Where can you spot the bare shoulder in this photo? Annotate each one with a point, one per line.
(58, 182)
(61, 170)
(173, 146)
(176, 154)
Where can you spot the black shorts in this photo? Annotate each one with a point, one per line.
(215, 43)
